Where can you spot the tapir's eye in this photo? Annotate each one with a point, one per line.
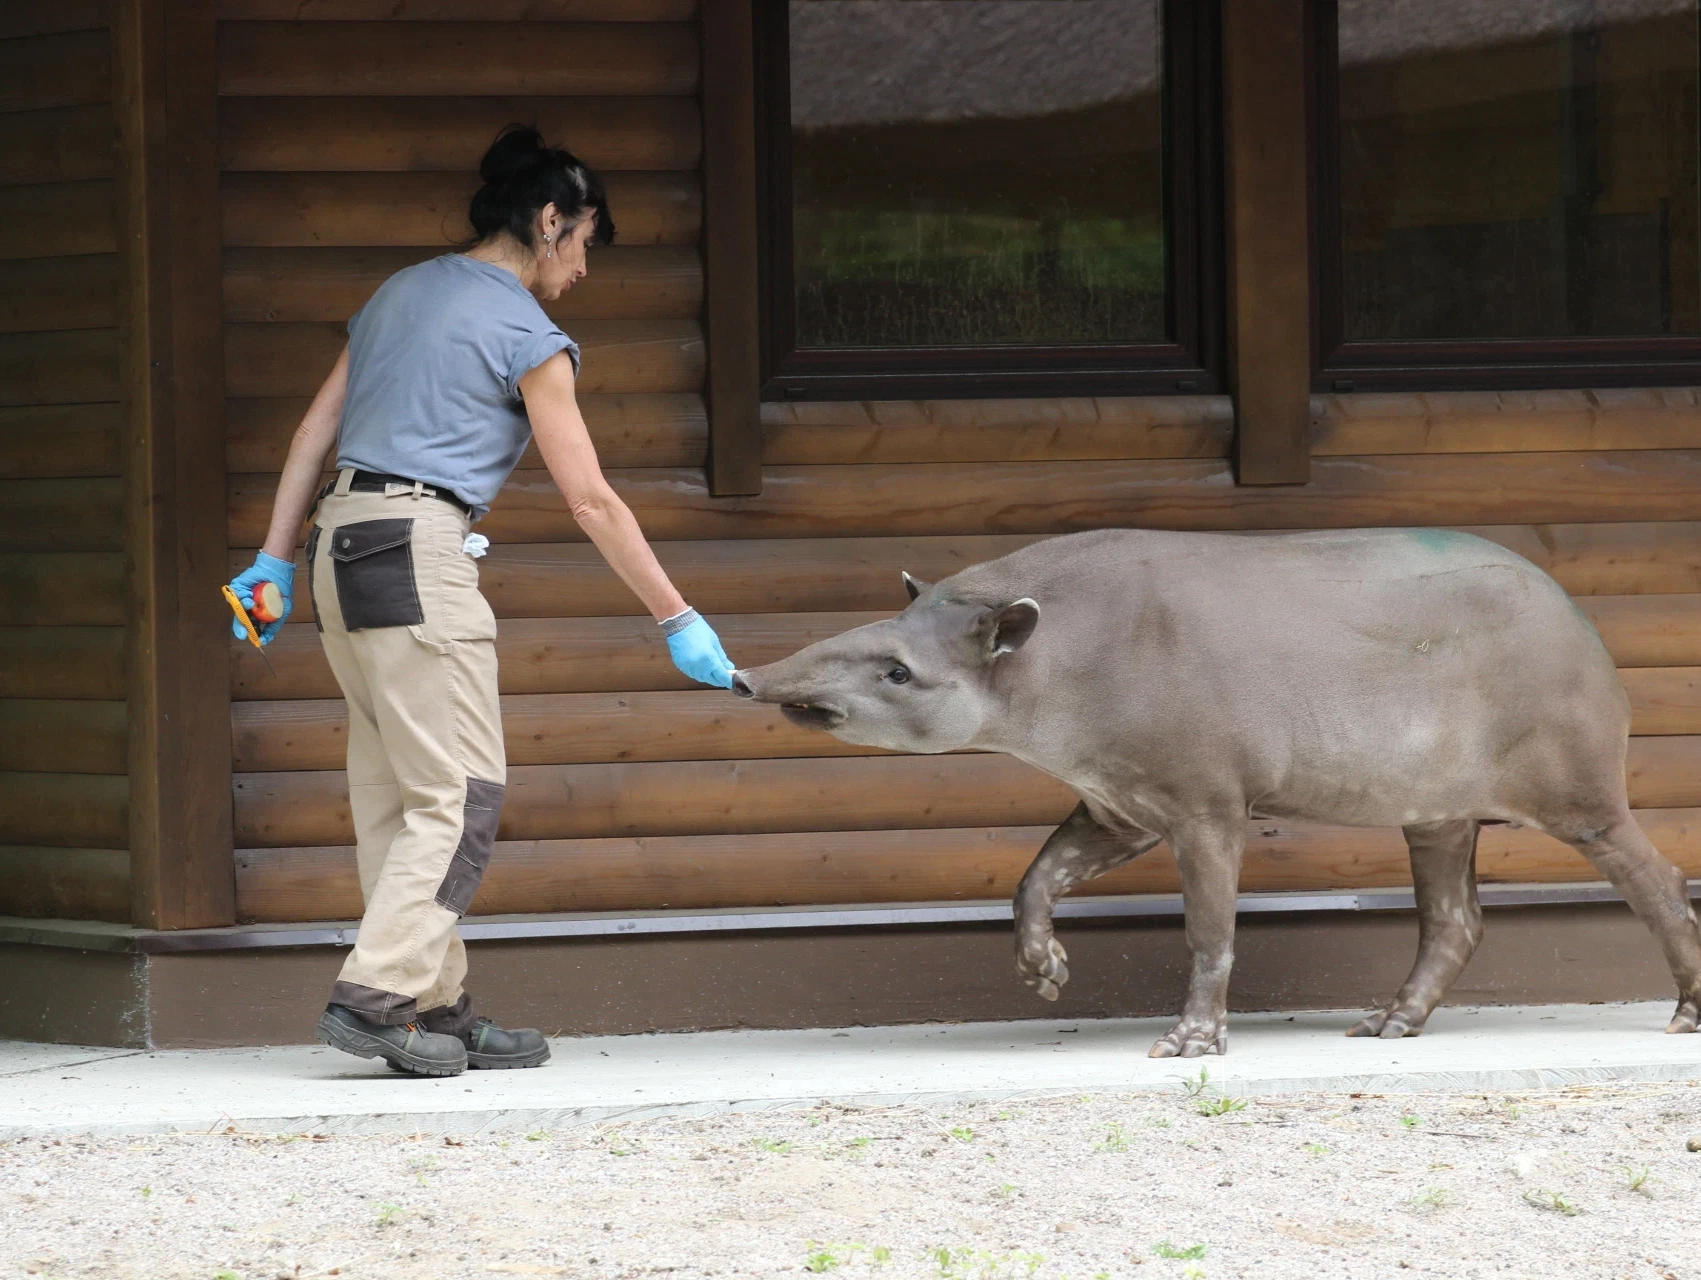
(899, 675)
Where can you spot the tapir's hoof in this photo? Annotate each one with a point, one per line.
(1687, 1018)
(1045, 973)
(1387, 1025)
(1192, 1040)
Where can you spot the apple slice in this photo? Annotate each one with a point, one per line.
(268, 602)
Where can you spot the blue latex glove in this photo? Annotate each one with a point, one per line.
(696, 649)
(264, 569)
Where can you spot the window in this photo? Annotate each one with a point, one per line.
(984, 197)
(1508, 192)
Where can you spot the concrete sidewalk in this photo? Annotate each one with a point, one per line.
(60, 1089)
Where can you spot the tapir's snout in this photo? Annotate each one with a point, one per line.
(801, 707)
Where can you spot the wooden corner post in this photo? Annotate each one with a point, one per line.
(731, 315)
(172, 370)
(1267, 183)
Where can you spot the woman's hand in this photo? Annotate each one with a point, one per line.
(264, 569)
(696, 649)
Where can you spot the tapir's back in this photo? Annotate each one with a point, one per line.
(1388, 655)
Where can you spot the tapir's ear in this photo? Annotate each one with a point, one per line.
(1008, 629)
(915, 586)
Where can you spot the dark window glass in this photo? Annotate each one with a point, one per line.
(972, 172)
(1520, 169)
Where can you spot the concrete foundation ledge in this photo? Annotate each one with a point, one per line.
(65, 1090)
(77, 983)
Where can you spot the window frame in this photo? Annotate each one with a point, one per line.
(1190, 364)
(1410, 364)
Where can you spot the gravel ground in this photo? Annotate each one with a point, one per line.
(1587, 1181)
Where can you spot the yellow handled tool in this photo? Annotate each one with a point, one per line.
(235, 603)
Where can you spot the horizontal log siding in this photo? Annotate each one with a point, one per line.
(347, 150)
(706, 872)
(63, 578)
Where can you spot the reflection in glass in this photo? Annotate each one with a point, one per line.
(968, 172)
(1521, 169)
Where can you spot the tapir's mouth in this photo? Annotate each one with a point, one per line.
(810, 715)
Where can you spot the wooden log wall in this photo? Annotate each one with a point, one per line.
(348, 147)
(64, 802)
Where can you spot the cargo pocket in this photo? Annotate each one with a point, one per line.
(479, 821)
(312, 551)
(373, 564)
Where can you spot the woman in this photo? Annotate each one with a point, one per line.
(449, 371)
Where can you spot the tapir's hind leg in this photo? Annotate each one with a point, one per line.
(1444, 881)
(1656, 892)
(1077, 851)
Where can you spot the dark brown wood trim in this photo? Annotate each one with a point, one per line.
(1265, 128)
(173, 378)
(731, 318)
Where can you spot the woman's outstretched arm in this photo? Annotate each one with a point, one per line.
(565, 443)
(567, 451)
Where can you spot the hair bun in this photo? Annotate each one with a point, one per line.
(518, 147)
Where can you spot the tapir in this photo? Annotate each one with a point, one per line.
(1183, 684)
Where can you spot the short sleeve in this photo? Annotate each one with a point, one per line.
(355, 320)
(534, 349)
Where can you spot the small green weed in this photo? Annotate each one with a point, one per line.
(1218, 1106)
(1193, 1086)
(829, 1257)
(147, 1193)
(1410, 1121)
(1430, 1199)
(389, 1214)
(1552, 1201)
(226, 1275)
(1115, 1141)
(980, 1264)
(1318, 1149)
(1164, 1249)
(539, 1136)
(1158, 1122)
(1192, 1271)
(1637, 1178)
(778, 1146)
(962, 1133)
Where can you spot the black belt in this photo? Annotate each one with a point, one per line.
(377, 482)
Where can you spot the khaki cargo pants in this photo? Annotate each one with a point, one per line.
(412, 643)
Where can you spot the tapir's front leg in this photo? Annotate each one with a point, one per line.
(1208, 853)
(1078, 850)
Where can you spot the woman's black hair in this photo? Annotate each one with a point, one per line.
(522, 175)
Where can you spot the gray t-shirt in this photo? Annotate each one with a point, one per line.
(435, 362)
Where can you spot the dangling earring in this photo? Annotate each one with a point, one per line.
(551, 253)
